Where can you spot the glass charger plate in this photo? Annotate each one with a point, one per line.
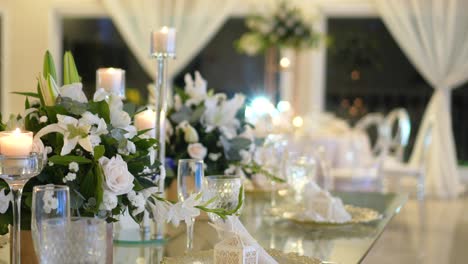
(206, 257)
(359, 215)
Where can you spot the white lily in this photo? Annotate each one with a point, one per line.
(5, 201)
(184, 211)
(221, 113)
(73, 91)
(195, 89)
(74, 132)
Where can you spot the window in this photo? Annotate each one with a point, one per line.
(96, 43)
(223, 67)
(367, 72)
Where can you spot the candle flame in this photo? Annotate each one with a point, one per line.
(17, 131)
(164, 29)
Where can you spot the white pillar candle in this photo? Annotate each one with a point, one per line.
(146, 120)
(112, 80)
(163, 41)
(16, 143)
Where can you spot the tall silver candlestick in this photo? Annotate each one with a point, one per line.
(162, 48)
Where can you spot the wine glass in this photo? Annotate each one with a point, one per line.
(48, 202)
(189, 182)
(300, 170)
(224, 190)
(16, 171)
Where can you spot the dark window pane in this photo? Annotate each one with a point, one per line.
(367, 72)
(96, 43)
(223, 67)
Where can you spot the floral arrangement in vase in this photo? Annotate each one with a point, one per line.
(211, 127)
(93, 147)
(284, 28)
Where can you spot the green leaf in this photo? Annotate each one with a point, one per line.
(70, 73)
(99, 152)
(240, 143)
(35, 95)
(101, 109)
(72, 106)
(49, 66)
(130, 108)
(99, 191)
(65, 160)
(41, 96)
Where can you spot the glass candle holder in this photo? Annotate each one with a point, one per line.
(112, 80)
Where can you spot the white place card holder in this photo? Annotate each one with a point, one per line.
(233, 251)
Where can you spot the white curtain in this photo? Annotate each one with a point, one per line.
(434, 36)
(196, 21)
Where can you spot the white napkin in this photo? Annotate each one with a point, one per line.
(321, 206)
(234, 226)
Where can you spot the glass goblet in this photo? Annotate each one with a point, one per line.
(189, 182)
(80, 240)
(16, 171)
(48, 202)
(224, 191)
(300, 170)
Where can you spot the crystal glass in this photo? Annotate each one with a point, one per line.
(189, 182)
(48, 202)
(80, 240)
(300, 170)
(16, 171)
(224, 189)
(275, 146)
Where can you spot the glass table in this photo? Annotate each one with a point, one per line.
(332, 244)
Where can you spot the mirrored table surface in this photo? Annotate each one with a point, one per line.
(330, 243)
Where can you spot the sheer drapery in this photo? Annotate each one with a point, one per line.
(434, 36)
(196, 21)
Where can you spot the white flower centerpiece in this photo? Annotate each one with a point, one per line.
(93, 147)
(211, 127)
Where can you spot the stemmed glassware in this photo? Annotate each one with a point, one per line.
(189, 182)
(224, 190)
(16, 171)
(49, 202)
(300, 170)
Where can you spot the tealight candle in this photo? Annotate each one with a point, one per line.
(163, 41)
(16, 143)
(112, 80)
(146, 120)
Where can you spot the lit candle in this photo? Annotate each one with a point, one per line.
(146, 120)
(112, 80)
(163, 41)
(16, 143)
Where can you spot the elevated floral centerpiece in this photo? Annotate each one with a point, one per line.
(93, 147)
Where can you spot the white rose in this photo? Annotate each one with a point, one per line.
(120, 119)
(73, 91)
(196, 151)
(118, 179)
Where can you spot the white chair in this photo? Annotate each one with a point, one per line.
(396, 170)
(374, 120)
(397, 130)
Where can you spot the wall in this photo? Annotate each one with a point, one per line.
(29, 29)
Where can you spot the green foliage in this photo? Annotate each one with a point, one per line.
(70, 73)
(65, 160)
(49, 66)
